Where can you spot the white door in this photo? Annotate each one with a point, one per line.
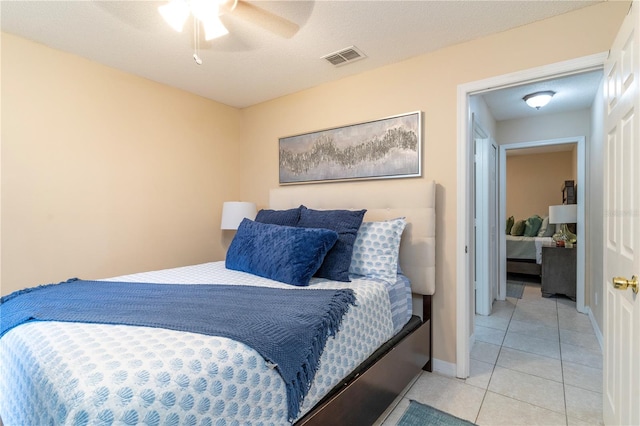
(483, 304)
(486, 221)
(621, 368)
(494, 262)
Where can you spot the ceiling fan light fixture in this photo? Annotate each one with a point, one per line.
(213, 28)
(175, 13)
(538, 99)
(204, 10)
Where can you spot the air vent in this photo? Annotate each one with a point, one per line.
(344, 56)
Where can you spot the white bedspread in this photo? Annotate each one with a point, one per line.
(77, 373)
(527, 248)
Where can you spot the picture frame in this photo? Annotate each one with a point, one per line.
(386, 148)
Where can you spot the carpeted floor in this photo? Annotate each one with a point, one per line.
(420, 415)
(515, 289)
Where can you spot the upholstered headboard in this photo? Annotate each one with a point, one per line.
(412, 198)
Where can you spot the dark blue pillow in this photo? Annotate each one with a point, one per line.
(346, 223)
(282, 253)
(279, 217)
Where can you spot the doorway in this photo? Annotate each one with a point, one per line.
(464, 259)
(549, 146)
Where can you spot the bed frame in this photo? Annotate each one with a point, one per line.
(362, 398)
(523, 260)
(524, 266)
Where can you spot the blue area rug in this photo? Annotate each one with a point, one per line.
(420, 415)
(515, 289)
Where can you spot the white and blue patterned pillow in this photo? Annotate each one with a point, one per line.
(375, 251)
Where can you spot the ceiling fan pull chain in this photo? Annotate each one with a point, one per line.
(196, 41)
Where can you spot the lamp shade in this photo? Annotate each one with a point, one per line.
(175, 13)
(564, 213)
(214, 28)
(234, 211)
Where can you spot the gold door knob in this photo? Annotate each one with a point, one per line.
(622, 283)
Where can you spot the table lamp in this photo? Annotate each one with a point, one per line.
(563, 214)
(234, 211)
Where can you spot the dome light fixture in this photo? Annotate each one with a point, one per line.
(538, 99)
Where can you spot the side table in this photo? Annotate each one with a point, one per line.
(559, 271)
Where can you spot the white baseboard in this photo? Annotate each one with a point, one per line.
(443, 367)
(596, 329)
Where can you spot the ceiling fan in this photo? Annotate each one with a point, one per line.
(208, 13)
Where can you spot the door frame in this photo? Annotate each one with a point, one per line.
(464, 213)
(581, 176)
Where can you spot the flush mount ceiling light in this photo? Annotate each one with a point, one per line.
(538, 99)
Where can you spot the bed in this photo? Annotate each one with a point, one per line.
(524, 254)
(525, 239)
(84, 372)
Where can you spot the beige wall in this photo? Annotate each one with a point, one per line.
(428, 83)
(534, 182)
(543, 127)
(105, 173)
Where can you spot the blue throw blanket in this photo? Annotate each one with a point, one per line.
(288, 327)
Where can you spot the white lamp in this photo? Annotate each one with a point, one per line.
(234, 211)
(563, 214)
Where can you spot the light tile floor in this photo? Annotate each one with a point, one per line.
(536, 361)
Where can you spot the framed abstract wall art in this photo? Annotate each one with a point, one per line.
(380, 149)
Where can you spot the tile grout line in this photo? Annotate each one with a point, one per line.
(486, 391)
(557, 308)
(561, 369)
(564, 388)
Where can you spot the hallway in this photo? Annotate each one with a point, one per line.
(535, 361)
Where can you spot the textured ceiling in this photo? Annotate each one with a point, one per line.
(575, 92)
(251, 65)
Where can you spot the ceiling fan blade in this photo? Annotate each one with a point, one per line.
(258, 16)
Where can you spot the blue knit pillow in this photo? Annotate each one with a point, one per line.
(346, 223)
(279, 217)
(282, 253)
